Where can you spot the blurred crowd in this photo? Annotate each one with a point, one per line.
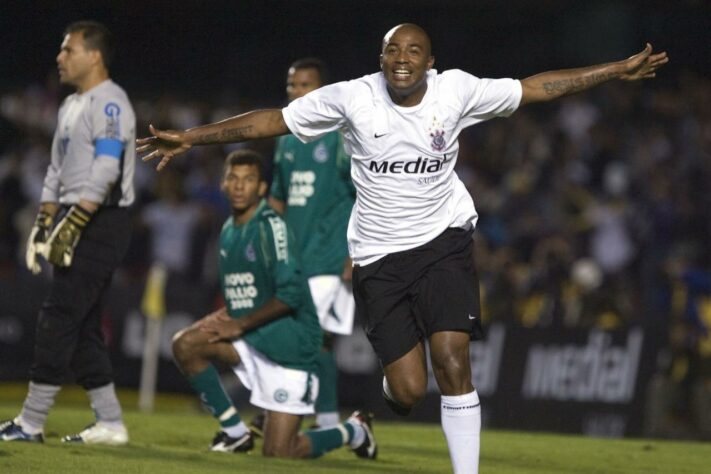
(594, 210)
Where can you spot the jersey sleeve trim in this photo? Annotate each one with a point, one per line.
(519, 96)
(279, 234)
(293, 128)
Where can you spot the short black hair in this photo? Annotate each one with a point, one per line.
(313, 63)
(96, 37)
(245, 157)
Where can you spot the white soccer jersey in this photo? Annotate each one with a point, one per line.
(94, 149)
(403, 158)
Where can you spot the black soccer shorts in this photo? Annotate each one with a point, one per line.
(407, 296)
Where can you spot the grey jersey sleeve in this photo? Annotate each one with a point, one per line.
(113, 123)
(50, 188)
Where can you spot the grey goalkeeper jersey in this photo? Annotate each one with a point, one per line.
(94, 149)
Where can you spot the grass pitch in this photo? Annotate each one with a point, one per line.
(174, 440)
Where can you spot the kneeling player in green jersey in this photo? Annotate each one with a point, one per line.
(268, 331)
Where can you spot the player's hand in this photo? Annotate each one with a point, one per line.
(219, 315)
(59, 249)
(219, 329)
(643, 65)
(347, 273)
(38, 236)
(164, 144)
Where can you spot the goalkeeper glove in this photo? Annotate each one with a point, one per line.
(59, 249)
(38, 237)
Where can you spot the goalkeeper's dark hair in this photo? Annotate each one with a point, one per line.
(245, 157)
(313, 63)
(96, 37)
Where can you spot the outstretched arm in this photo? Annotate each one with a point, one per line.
(165, 144)
(553, 84)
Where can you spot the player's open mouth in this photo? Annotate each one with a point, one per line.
(401, 74)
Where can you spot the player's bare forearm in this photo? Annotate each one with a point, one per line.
(166, 144)
(553, 84)
(221, 327)
(218, 315)
(89, 205)
(264, 123)
(347, 273)
(273, 309)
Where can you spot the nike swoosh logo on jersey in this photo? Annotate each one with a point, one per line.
(472, 317)
(378, 136)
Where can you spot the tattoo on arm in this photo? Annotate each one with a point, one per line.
(568, 86)
(227, 135)
(206, 138)
(238, 133)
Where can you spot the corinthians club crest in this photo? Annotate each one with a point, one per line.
(437, 133)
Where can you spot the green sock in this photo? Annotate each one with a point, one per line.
(208, 386)
(327, 371)
(323, 441)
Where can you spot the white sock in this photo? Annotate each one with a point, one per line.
(358, 435)
(106, 405)
(461, 423)
(236, 431)
(327, 419)
(386, 390)
(40, 398)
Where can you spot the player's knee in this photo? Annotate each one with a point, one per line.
(272, 452)
(278, 451)
(269, 451)
(409, 393)
(413, 398)
(452, 370)
(184, 345)
(451, 363)
(282, 446)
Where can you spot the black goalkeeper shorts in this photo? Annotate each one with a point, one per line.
(407, 296)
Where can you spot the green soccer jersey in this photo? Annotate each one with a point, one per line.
(258, 261)
(313, 180)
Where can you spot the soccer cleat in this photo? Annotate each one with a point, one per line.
(395, 406)
(223, 443)
(368, 449)
(10, 430)
(256, 426)
(99, 433)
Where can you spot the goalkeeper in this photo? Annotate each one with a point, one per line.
(82, 229)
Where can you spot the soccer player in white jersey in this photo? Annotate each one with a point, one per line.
(410, 230)
(83, 230)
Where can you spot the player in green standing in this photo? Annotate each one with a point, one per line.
(267, 332)
(312, 190)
